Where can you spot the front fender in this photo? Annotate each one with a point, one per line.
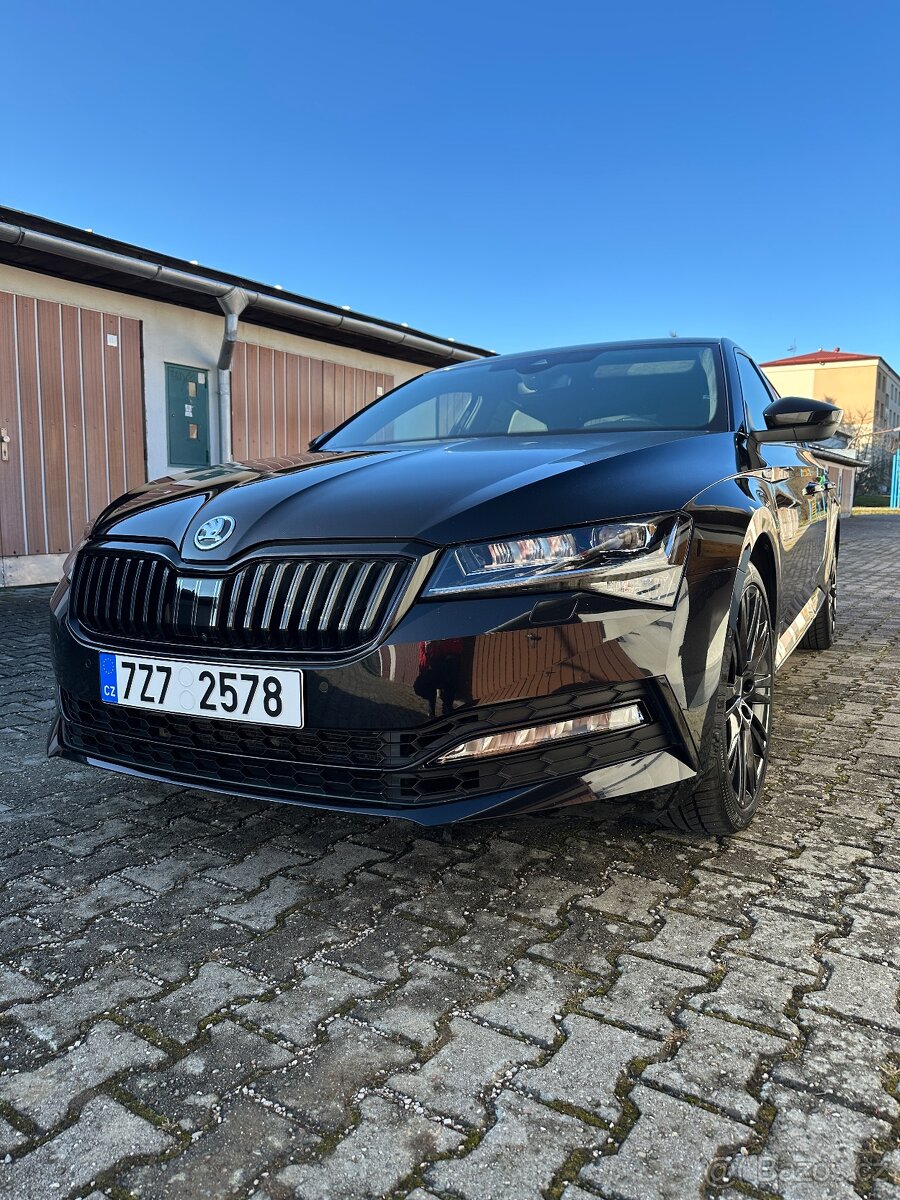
(730, 518)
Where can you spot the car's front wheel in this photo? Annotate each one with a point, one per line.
(728, 791)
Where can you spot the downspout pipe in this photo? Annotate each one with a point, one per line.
(232, 304)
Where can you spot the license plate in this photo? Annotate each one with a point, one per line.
(257, 695)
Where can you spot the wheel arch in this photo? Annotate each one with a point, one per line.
(762, 555)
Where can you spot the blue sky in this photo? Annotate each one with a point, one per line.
(509, 174)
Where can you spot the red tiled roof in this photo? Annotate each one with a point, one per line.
(820, 356)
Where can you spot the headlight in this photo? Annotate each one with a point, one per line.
(638, 560)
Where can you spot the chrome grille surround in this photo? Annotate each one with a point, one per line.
(314, 604)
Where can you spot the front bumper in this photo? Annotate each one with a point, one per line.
(375, 726)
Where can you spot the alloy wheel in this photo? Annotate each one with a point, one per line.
(749, 705)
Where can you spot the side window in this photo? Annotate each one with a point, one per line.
(757, 396)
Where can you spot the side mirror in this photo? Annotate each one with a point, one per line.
(316, 442)
(796, 419)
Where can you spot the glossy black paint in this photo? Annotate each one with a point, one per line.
(514, 654)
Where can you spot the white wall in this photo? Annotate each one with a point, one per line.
(182, 335)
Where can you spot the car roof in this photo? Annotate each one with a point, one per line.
(634, 343)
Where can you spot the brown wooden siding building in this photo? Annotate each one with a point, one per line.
(110, 359)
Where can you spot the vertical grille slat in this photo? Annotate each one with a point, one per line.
(317, 603)
(111, 594)
(148, 593)
(344, 624)
(161, 602)
(274, 588)
(253, 598)
(136, 591)
(300, 572)
(214, 606)
(378, 599)
(96, 595)
(233, 602)
(334, 592)
(312, 595)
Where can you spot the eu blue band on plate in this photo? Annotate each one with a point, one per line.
(108, 679)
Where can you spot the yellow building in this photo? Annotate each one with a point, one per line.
(865, 386)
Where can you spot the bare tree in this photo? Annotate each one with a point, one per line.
(875, 447)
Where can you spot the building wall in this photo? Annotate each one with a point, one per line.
(850, 385)
(868, 392)
(279, 401)
(189, 338)
(167, 334)
(71, 405)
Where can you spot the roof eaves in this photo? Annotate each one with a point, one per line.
(86, 238)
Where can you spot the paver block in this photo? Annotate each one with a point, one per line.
(644, 995)
(687, 941)
(715, 1063)
(320, 1088)
(584, 1070)
(179, 1012)
(843, 1060)
(812, 1149)
(755, 992)
(519, 1155)
(531, 1002)
(45, 1094)
(104, 1135)
(416, 1006)
(670, 1152)
(224, 1159)
(453, 1082)
(487, 944)
(863, 990)
(588, 943)
(388, 1143)
(262, 911)
(296, 1013)
(873, 935)
(57, 1019)
(192, 1088)
(631, 897)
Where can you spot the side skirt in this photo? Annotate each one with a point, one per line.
(792, 636)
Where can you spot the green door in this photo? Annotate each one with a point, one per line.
(187, 409)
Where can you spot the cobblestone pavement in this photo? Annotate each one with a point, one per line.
(214, 998)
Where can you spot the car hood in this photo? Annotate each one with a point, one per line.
(442, 494)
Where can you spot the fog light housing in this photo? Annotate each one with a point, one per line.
(612, 720)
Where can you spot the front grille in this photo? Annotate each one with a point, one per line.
(311, 604)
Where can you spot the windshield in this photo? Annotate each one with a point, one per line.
(586, 390)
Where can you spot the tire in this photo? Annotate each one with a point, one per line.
(820, 635)
(727, 793)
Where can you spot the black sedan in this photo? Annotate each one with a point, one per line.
(508, 585)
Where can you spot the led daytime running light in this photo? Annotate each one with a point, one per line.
(627, 716)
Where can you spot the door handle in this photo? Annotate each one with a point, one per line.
(5, 439)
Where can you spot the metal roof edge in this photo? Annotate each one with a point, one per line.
(52, 239)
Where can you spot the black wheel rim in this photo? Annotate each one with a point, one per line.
(749, 705)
